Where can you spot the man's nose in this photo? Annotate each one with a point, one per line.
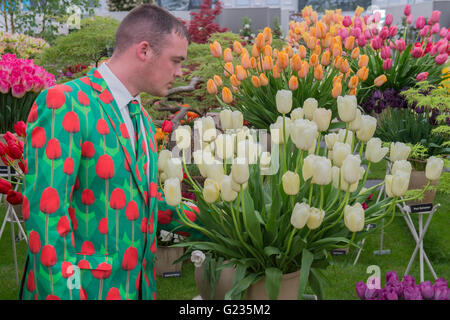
(178, 72)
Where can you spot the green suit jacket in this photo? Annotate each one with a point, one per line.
(91, 227)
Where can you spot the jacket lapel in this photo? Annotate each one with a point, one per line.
(109, 105)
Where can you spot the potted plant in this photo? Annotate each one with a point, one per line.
(276, 215)
(166, 255)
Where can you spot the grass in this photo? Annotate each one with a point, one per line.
(342, 274)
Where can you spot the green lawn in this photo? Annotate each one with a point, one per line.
(342, 274)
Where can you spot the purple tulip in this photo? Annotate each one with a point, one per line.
(390, 294)
(441, 282)
(371, 294)
(391, 277)
(409, 281)
(441, 293)
(412, 293)
(427, 290)
(361, 288)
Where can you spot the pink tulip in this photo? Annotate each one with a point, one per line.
(393, 30)
(424, 31)
(443, 32)
(376, 17)
(409, 19)
(434, 50)
(356, 32)
(367, 34)
(407, 10)
(366, 19)
(420, 22)
(385, 52)
(388, 20)
(361, 41)
(442, 48)
(384, 33)
(435, 28)
(416, 52)
(4, 86)
(400, 45)
(441, 58)
(347, 21)
(448, 35)
(357, 23)
(422, 76)
(435, 16)
(18, 90)
(387, 64)
(377, 43)
(343, 33)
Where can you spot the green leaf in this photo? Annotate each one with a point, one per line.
(307, 259)
(273, 282)
(271, 251)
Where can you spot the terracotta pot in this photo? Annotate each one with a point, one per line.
(288, 290)
(224, 284)
(418, 180)
(165, 256)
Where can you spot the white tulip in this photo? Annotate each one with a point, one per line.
(242, 134)
(347, 106)
(215, 171)
(309, 105)
(211, 190)
(208, 129)
(304, 134)
(166, 235)
(374, 151)
(322, 171)
(300, 215)
(322, 118)
(297, 113)
(226, 119)
(172, 191)
(284, 101)
(224, 146)
(330, 140)
(163, 156)
(226, 190)
(351, 168)
(240, 171)
(264, 161)
(315, 218)
(308, 166)
(336, 172)
(198, 160)
(183, 137)
(354, 217)
(356, 124)
(340, 152)
(399, 151)
(174, 168)
(197, 257)
(238, 119)
(341, 136)
(291, 183)
(276, 133)
(403, 166)
(400, 183)
(434, 168)
(368, 127)
(388, 185)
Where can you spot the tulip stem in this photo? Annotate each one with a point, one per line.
(321, 197)
(291, 236)
(285, 143)
(187, 222)
(194, 185)
(319, 138)
(346, 131)
(311, 187)
(361, 149)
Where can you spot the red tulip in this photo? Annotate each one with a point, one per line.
(87, 149)
(106, 97)
(118, 199)
(144, 225)
(14, 197)
(52, 297)
(87, 248)
(48, 255)
(30, 281)
(164, 217)
(132, 211)
(33, 115)
(71, 123)
(63, 226)
(153, 246)
(25, 208)
(167, 126)
(73, 219)
(83, 295)
(23, 165)
(53, 149)
(103, 271)
(68, 166)
(83, 98)
(20, 128)
(49, 201)
(130, 259)
(153, 189)
(34, 242)
(103, 226)
(137, 283)
(5, 186)
(55, 98)
(124, 131)
(38, 137)
(87, 197)
(191, 215)
(102, 126)
(15, 151)
(105, 167)
(67, 269)
(113, 294)
(151, 225)
(84, 264)
(97, 74)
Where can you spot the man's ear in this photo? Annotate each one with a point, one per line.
(144, 51)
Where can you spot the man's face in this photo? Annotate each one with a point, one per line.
(160, 70)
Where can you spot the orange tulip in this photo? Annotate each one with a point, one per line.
(267, 50)
(313, 60)
(337, 89)
(337, 79)
(363, 61)
(353, 83)
(245, 61)
(159, 134)
(355, 53)
(227, 96)
(288, 49)
(326, 43)
(352, 92)
(293, 83)
(229, 70)
(237, 47)
(240, 72)
(336, 49)
(302, 51)
(255, 81)
(268, 63)
(263, 79)
(268, 35)
(218, 80)
(338, 62)
(363, 73)
(345, 67)
(253, 63)
(349, 43)
(304, 69)
(311, 42)
(227, 55)
(235, 81)
(318, 72)
(325, 60)
(317, 50)
(321, 30)
(380, 80)
(255, 51)
(211, 87)
(296, 62)
(216, 49)
(283, 59)
(276, 73)
(260, 41)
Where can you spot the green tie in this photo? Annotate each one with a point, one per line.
(135, 114)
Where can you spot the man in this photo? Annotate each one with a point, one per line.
(91, 189)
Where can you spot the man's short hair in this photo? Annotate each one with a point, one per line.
(150, 23)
